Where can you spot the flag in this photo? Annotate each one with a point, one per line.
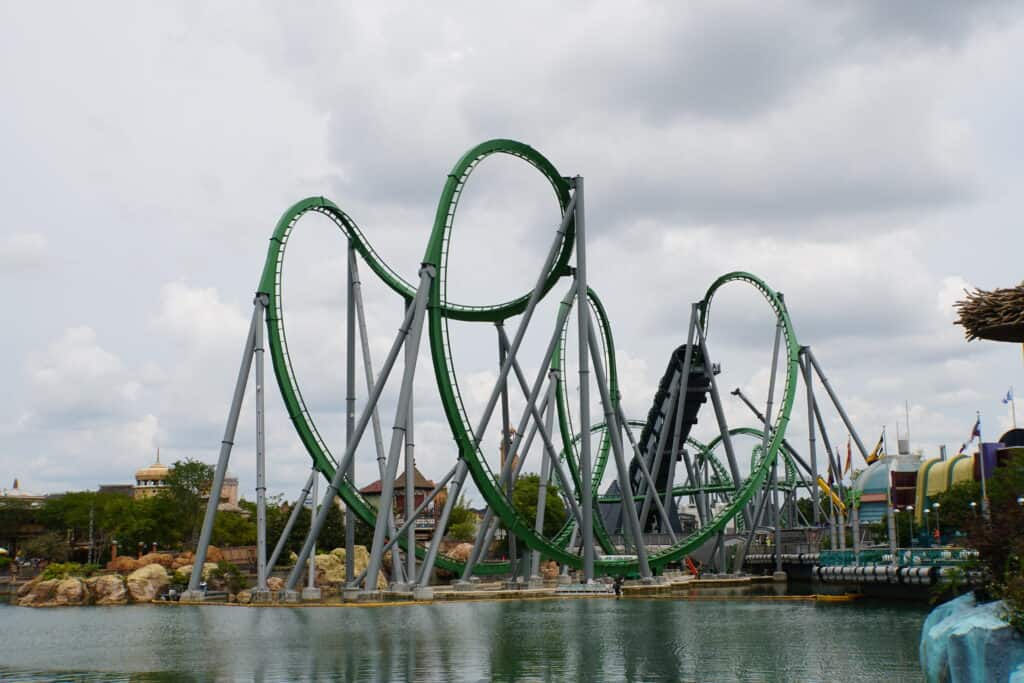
(831, 477)
(876, 452)
(849, 456)
(975, 430)
(963, 447)
(1009, 396)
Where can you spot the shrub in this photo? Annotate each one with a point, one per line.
(62, 570)
(226, 577)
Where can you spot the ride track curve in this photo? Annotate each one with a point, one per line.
(441, 310)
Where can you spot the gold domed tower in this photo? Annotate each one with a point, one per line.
(150, 480)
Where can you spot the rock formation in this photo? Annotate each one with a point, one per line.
(70, 591)
(187, 569)
(38, 593)
(123, 564)
(163, 559)
(145, 583)
(107, 590)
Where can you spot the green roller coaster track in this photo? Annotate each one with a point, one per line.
(441, 310)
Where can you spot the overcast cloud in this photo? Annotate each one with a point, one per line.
(861, 157)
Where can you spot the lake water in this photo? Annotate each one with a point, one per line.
(549, 640)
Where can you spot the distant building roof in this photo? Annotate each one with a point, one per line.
(419, 483)
(119, 489)
(16, 492)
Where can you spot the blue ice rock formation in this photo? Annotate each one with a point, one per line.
(964, 641)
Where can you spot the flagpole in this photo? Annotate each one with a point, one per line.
(1013, 407)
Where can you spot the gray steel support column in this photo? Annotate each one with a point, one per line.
(723, 426)
(426, 275)
(527, 315)
(812, 445)
(842, 529)
(350, 403)
(261, 452)
(855, 523)
(531, 410)
(461, 468)
(667, 504)
(488, 525)
(611, 419)
(722, 569)
(410, 476)
(378, 436)
(836, 403)
(834, 537)
(312, 554)
(624, 423)
(778, 518)
(893, 536)
(506, 446)
(397, 438)
(545, 474)
(659, 453)
(225, 454)
(684, 385)
(272, 562)
(406, 525)
(583, 315)
(741, 555)
(765, 446)
(652, 490)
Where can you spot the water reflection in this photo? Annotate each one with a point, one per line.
(584, 640)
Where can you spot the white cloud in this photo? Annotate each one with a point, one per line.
(22, 251)
(863, 160)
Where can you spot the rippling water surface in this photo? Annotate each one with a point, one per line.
(552, 640)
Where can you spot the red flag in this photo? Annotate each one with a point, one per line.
(849, 456)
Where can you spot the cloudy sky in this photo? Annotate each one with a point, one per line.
(862, 157)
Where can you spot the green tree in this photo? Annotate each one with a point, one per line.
(461, 522)
(186, 487)
(955, 511)
(234, 528)
(52, 546)
(524, 498)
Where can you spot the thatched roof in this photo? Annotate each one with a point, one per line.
(997, 315)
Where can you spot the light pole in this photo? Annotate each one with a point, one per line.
(938, 531)
(927, 525)
(974, 508)
(1020, 500)
(910, 510)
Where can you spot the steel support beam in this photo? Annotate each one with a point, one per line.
(261, 451)
(426, 276)
(272, 562)
(225, 454)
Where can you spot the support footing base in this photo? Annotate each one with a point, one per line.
(423, 593)
(311, 594)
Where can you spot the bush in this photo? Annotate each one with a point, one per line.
(5, 562)
(179, 580)
(225, 577)
(62, 570)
